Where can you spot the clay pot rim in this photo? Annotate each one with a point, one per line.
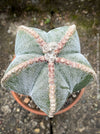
(25, 106)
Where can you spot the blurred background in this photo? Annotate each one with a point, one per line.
(84, 117)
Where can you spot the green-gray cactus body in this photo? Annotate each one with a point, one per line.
(48, 66)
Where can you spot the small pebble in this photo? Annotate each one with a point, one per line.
(37, 130)
(34, 18)
(9, 31)
(18, 110)
(11, 42)
(18, 129)
(41, 23)
(26, 100)
(42, 125)
(85, 12)
(14, 15)
(81, 129)
(2, 128)
(6, 109)
(74, 95)
(92, 121)
(25, 120)
(95, 105)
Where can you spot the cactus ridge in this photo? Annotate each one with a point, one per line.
(65, 39)
(34, 34)
(50, 51)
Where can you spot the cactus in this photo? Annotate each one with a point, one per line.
(48, 67)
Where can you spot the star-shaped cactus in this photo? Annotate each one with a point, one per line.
(48, 66)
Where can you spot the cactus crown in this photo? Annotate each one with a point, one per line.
(48, 66)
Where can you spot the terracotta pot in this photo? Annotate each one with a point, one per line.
(25, 106)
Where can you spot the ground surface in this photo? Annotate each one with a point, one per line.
(84, 117)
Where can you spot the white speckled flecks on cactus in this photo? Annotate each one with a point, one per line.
(48, 67)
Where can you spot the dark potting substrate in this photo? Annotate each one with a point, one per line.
(27, 100)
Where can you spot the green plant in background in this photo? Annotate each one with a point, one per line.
(48, 67)
(47, 21)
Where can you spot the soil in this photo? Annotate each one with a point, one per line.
(84, 117)
(28, 101)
